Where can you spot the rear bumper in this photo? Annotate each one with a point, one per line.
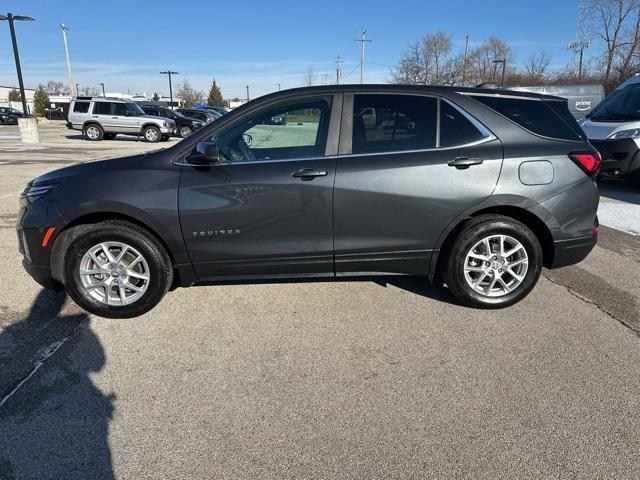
(572, 251)
(620, 158)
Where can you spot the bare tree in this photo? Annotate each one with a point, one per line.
(481, 64)
(610, 21)
(310, 77)
(426, 61)
(89, 91)
(188, 95)
(56, 88)
(537, 67)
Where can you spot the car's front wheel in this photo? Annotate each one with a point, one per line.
(152, 134)
(116, 270)
(494, 262)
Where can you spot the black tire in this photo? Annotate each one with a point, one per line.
(474, 230)
(185, 131)
(109, 136)
(93, 132)
(151, 134)
(160, 271)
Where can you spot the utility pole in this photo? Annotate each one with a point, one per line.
(464, 62)
(278, 86)
(77, 89)
(169, 73)
(103, 94)
(247, 87)
(581, 41)
(338, 69)
(363, 39)
(65, 29)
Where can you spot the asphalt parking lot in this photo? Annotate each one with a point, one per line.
(374, 378)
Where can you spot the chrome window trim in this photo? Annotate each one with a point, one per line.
(490, 138)
(516, 97)
(424, 150)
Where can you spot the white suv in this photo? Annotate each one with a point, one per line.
(103, 118)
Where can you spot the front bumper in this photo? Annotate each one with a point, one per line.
(620, 157)
(41, 274)
(168, 130)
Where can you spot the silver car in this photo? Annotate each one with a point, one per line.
(102, 118)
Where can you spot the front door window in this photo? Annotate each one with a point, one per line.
(294, 130)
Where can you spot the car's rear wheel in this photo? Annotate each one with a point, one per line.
(93, 132)
(152, 134)
(116, 270)
(185, 131)
(494, 262)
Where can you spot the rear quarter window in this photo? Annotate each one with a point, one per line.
(533, 115)
(81, 107)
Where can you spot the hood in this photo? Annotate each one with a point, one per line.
(602, 130)
(89, 167)
(155, 117)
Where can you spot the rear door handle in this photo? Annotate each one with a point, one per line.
(309, 173)
(464, 162)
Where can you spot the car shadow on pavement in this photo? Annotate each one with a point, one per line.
(53, 419)
(414, 284)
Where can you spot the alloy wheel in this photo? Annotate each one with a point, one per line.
(114, 273)
(496, 265)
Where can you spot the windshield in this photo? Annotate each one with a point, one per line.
(621, 106)
(135, 108)
(165, 112)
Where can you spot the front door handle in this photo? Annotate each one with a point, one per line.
(308, 173)
(464, 162)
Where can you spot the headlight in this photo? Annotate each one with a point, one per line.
(632, 133)
(33, 191)
(166, 124)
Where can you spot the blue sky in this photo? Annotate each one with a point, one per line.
(258, 43)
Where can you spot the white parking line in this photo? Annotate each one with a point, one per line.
(10, 194)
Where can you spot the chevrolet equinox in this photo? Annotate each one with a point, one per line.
(479, 188)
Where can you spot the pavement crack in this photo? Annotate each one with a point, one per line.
(41, 358)
(621, 320)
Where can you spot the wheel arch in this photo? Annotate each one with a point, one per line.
(183, 271)
(531, 220)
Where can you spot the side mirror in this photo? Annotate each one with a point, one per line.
(248, 139)
(205, 153)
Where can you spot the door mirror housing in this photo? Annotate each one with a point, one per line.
(205, 153)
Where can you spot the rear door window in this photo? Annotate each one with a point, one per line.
(532, 114)
(81, 107)
(120, 109)
(388, 123)
(456, 128)
(102, 108)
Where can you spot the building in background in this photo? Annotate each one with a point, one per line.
(4, 98)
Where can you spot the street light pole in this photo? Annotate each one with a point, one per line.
(247, 87)
(11, 18)
(278, 86)
(103, 94)
(65, 29)
(169, 73)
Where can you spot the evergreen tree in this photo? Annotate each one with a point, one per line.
(40, 101)
(14, 95)
(215, 95)
(156, 97)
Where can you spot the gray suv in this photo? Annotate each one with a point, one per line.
(103, 118)
(478, 188)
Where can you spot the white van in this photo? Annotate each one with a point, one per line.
(613, 127)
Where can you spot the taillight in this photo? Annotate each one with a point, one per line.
(590, 162)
